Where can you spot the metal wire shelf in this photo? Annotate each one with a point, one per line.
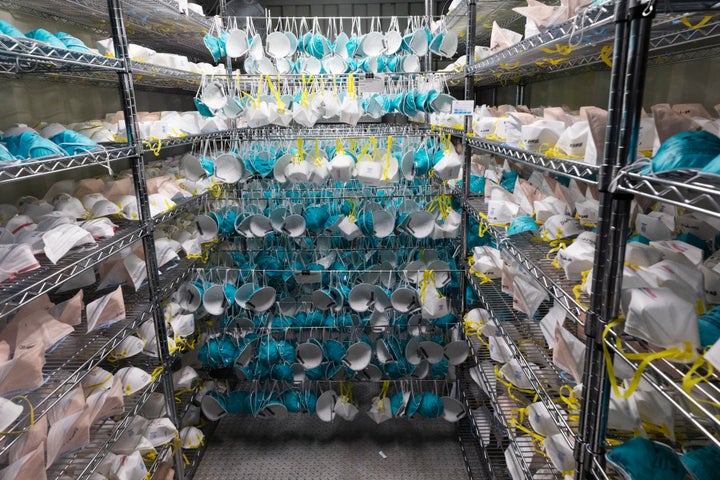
(666, 377)
(103, 435)
(455, 132)
(21, 291)
(189, 204)
(158, 24)
(490, 459)
(158, 145)
(569, 168)
(482, 356)
(585, 42)
(29, 56)
(67, 364)
(53, 165)
(528, 346)
(486, 11)
(532, 256)
(690, 189)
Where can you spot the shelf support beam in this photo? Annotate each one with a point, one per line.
(633, 22)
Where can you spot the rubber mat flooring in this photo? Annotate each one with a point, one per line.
(303, 447)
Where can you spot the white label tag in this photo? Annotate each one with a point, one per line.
(373, 84)
(462, 107)
(183, 6)
(713, 355)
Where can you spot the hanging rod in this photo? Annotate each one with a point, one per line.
(331, 130)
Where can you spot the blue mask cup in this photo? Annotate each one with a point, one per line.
(686, 150)
(522, 224)
(9, 29)
(74, 143)
(72, 43)
(29, 145)
(643, 459)
(218, 352)
(42, 35)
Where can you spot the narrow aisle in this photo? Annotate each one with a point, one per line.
(304, 447)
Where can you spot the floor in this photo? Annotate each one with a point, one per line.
(303, 447)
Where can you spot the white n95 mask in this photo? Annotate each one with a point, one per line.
(661, 316)
(573, 141)
(548, 207)
(499, 349)
(655, 225)
(637, 253)
(655, 409)
(578, 257)
(561, 226)
(680, 252)
(569, 353)
(555, 316)
(685, 280)
(560, 452)
(528, 294)
(541, 421)
(502, 211)
(487, 261)
(623, 413)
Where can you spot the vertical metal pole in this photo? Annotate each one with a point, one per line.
(141, 194)
(469, 95)
(493, 97)
(627, 85)
(520, 90)
(429, 14)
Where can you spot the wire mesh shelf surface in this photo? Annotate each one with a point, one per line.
(82, 464)
(585, 42)
(534, 257)
(99, 157)
(68, 363)
(29, 56)
(158, 24)
(16, 293)
(568, 168)
(529, 347)
(690, 189)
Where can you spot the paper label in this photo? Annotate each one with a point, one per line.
(183, 6)
(371, 84)
(462, 107)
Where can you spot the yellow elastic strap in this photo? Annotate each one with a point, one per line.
(300, 156)
(93, 387)
(644, 358)
(700, 24)
(510, 67)
(352, 93)
(32, 417)
(353, 212)
(373, 144)
(339, 149)
(156, 373)
(317, 160)
(280, 104)
(688, 382)
(605, 53)
(570, 400)
(535, 436)
(557, 153)
(561, 49)
(157, 148)
(428, 276)
(551, 61)
(510, 387)
(384, 390)
(484, 217)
